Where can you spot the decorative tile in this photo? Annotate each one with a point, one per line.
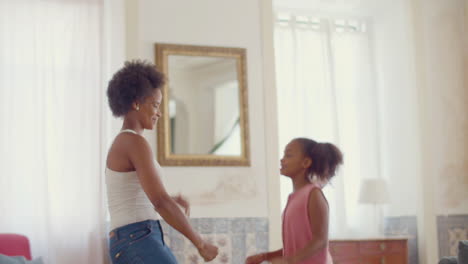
(178, 256)
(223, 241)
(177, 243)
(167, 230)
(262, 241)
(251, 225)
(455, 235)
(195, 223)
(191, 257)
(251, 244)
(262, 225)
(236, 238)
(238, 225)
(405, 226)
(224, 258)
(207, 226)
(451, 229)
(222, 225)
(238, 244)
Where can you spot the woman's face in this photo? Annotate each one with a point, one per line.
(149, 111)
(294, 162)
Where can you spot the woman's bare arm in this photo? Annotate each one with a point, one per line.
(141, 157)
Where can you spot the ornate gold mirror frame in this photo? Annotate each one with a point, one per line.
(166, 155)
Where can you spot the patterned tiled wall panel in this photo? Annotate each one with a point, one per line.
(236, 238)
(405, 226)
(451, 229)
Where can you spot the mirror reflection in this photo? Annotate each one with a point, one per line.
(204, 105)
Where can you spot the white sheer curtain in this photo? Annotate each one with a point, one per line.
(51, 101)
(326, 92)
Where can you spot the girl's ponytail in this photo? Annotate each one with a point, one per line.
(325, 157)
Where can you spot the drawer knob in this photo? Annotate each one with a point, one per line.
(382, 260)
(382, 246)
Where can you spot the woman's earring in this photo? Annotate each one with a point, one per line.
(137, 107)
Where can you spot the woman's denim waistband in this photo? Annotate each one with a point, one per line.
(126, 230)
(141, 242)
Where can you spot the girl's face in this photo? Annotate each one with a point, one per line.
(294, 163)
(149, 111)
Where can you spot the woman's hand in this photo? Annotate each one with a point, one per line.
(256, 259)
(183, 202)
(207, 251)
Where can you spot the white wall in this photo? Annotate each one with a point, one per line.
(234, 191)
(446, 103)
(440, 28)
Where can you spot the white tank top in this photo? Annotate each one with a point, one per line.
(127, 202)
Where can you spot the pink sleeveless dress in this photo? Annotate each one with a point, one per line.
(296, 227)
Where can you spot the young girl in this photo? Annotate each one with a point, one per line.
(310, 165)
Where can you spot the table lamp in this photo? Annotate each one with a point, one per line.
(374, 191)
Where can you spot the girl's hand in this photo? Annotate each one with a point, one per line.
(183, 202)
(208, 251)
(256, 259)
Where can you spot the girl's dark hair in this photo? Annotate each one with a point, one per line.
(134, 82)
(325, 157)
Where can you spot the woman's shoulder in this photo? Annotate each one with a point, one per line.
(128, 145)
(130, 140)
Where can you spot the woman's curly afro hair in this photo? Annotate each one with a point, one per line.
(134, 82)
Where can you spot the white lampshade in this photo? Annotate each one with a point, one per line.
(374, 191)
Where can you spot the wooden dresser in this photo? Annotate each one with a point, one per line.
(369, 251)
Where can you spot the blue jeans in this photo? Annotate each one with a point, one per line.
(139, 243)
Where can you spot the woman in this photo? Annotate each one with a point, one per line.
(136, 194)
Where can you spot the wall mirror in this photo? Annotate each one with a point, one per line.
(205, 113)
